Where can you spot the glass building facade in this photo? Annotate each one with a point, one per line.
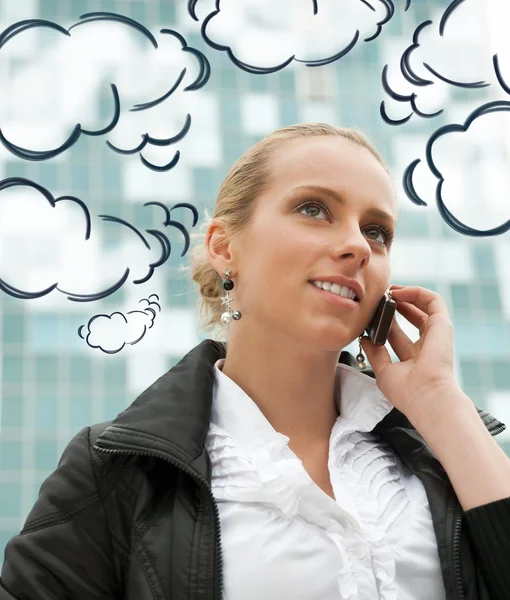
(53, 383)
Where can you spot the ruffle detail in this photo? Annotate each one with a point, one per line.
(367, 477)
(373, 513)
(273, 475)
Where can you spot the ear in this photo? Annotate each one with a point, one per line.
(217, 244)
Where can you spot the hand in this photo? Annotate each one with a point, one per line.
(425, 374)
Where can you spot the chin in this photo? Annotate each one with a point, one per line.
(330, 339)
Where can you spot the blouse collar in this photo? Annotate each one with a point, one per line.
(361, 406)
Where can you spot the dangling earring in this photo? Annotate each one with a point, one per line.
(228, 285)
(360, 358)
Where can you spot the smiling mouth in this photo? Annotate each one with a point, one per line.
(321, 289)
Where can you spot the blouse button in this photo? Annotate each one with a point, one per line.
(360, 552)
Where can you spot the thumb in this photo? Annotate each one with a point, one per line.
(377, 356)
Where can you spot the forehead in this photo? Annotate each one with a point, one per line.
(335, 163)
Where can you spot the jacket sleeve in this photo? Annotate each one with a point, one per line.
(488, 527)
(64, 549)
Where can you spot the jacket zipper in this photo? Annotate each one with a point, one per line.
(203, 482)
(456, 552)
(219, 558)
(456, 534)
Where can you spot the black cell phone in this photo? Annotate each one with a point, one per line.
(380, 324)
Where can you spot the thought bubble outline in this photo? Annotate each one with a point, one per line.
(155, 233)
(254, 70)
(447, 216)
(201, 80)
(411, 77)
(126, 320)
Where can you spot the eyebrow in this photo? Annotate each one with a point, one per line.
(372, 211)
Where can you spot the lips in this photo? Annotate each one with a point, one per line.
(342, 281)
(318, 285)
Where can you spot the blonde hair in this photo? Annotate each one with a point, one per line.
(246, 180)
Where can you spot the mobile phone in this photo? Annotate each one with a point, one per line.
(380, 324)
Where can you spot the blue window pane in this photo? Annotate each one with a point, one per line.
(288, 108)
(478, 341)
(12, 369)
(114, 403)
(501, 374)
(12, 408)
(484, 265)
(115, 372)
(490, 299)
(414, 225)
(167, 12)
(79, 177)
(228, 78)
(80, 370)
(80, 411)
(10, 455)
(48, 176)
(15, 169)
(49, 9)
(287, 81)
(108, 6)
(471, 373)
(52, 333)
(137, 10)
(46, 411)
(13, 328)
(230, 116)
(258, 83)
(109, 178)
(204, 183)
(44, 332)
(46, 455)
(460, 296)
(11, 500)
(46, 369)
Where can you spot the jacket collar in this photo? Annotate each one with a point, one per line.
(172, 417)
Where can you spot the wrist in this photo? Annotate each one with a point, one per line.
(440, 407)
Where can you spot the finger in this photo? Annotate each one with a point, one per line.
(402, 345)
(426, 300)
(378, 356)
(413, 314)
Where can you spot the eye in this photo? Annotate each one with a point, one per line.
(314, 204)
(385, 232)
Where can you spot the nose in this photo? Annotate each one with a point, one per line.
(351, 244)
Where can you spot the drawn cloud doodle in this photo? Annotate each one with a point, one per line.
(446, 52)
(52, 244)
(111, 333)
(105, 75)
(481, 150)
(263, 36)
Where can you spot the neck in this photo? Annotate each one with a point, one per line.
(292, 385)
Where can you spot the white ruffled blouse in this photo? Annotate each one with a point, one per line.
(284, 538)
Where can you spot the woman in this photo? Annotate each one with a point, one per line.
(273, 470)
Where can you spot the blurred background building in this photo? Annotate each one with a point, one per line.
(53, 383)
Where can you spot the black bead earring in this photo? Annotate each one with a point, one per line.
(228, 315)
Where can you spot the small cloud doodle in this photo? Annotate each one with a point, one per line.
(50, 244)
(263, 36)
(111, 333)
(449, 51)
(105, 64)
(469, 157)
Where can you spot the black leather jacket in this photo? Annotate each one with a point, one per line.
(129, 513)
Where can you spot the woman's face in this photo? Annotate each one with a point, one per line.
(320, 219)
